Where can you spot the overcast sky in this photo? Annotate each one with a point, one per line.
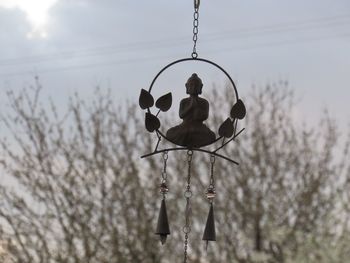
(76, 45)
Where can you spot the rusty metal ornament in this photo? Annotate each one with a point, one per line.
(146, 99)
(238, 110)
(191, 135)
(164, 102)
(192, 132)
(163, 229)
(226, 128)
(209, 231)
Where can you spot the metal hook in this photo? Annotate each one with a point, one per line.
(197, 3)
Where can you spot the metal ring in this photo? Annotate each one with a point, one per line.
(186, 229)
(188, 194)
(195, 59)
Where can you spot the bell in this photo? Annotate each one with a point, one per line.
(209, 231)
(163, 225)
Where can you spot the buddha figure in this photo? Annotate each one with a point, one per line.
(192, 132)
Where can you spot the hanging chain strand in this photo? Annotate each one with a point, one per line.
(163, 186)
(195, 28)
(211, 188)
(188, 211)
(212, 162)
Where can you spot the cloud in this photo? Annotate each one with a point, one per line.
(37, 13)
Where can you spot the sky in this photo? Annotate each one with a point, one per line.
(77, 45)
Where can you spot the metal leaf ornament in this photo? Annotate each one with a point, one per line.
(146, 99)
(164, 102)
(152, 122)
(238, 110)
(226, 128)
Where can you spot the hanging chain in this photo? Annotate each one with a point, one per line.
(188, 211)
(211, 193)
(163, 186)
(212, 162)
(195, 28)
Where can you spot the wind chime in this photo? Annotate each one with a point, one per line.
(192, 135)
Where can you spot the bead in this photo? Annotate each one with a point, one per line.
(164, 188)
(211, 193)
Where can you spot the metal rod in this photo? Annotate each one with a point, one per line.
(159, 138)
(234, 137)
(186, 149)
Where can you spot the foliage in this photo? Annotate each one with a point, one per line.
(77, 191)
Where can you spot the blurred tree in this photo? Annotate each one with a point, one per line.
(75, 190)
(286, 199)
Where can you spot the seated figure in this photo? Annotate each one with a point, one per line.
(192, 132)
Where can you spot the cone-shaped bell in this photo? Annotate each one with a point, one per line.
(209, 231)
(163, 224)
